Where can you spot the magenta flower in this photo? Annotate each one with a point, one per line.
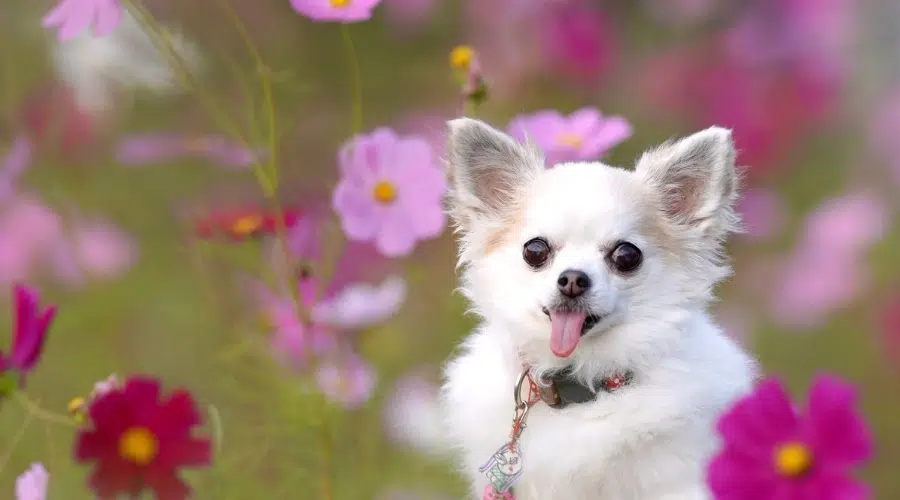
(147, 149)
(31, 326)
(349, 384)
(577, 40)
(72, 17)
(762, 214)
(346, 11)
(390, 191)
(774, 450)
(585, 135)
(32, 484)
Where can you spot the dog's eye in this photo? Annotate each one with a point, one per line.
(536, 252)
(626, 257)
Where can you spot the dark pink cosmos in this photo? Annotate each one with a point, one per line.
(577, 39)
(139, 440)
(30, 332)
(825, 441)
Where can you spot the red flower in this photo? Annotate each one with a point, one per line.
(31, 325)
(139, 442)
(242, 224)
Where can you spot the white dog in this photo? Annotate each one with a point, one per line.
(596, 280)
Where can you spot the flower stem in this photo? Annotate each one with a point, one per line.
(35, 410)
(356, 75)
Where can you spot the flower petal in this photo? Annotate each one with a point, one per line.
(837, 430)
(755, 424)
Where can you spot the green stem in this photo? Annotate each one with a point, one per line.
(356, 75)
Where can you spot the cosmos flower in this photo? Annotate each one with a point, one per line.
(243, 223)
(32, 484)
(148, 149)
(29, 333)
(53, 116)
(772, 449)
(345, 11)
(390, 191)
(585, 135)
(577, 40)
(73, 17)
(412, 415)
(29, 230)
(294, 341)
(360, 304)
(139, 441)
(761, 213)
(349, 383)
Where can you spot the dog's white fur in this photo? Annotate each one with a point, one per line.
(651, 439)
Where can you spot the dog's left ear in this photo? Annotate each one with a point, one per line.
(697, 180)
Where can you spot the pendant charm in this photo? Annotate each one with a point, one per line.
(491, 494)
(502, 470)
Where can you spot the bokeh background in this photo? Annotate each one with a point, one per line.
(810, 87)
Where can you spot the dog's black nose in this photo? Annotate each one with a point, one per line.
(573, 283)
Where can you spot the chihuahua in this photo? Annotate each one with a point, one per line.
(596, 372)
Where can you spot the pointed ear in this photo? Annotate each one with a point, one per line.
(697, 180)
(487, 170)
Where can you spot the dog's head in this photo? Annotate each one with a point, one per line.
(566, 257)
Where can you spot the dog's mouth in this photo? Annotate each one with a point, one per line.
(567, 326)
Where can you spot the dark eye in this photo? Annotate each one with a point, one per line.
(536, 252)
(626, 257)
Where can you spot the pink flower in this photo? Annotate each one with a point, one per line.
(812, 35)
(349, 384)
(346, 11)
(585, 135)
(774, 450)
(107, 385)
(577, 40)
(102, 250)
(29, 231)
(361, 305)
(14, 163)
(294, 342)
(29, 334)
(762, 214)
(140, 150)
(827, 270)
(32, 484)
(847, 225)
(74, 16)
(390, 191)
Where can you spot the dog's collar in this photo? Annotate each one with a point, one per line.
(560, 389)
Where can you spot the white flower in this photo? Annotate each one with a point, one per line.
(94, 66)
(361, 305)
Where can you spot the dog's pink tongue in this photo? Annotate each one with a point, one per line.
(565, 332)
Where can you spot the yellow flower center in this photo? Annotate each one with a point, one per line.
(339, 4)
(461, 57)
(138, 445)
(384, 192)
(570, 140)
(76, 406)
(246, 224)
(793, 459)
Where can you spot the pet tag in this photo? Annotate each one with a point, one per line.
(502, 470)
(505, 466)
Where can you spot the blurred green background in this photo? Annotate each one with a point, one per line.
(180, 313)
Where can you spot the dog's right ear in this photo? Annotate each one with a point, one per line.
(487, 169)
